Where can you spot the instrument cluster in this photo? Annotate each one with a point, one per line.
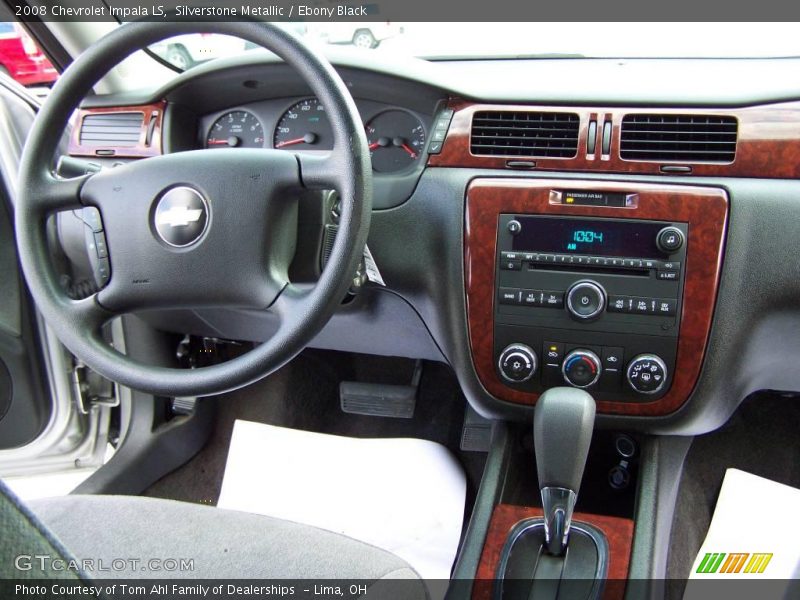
(396, 136)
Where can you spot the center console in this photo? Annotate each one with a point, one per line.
(603, 286)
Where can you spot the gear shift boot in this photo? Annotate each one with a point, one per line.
(529, 572)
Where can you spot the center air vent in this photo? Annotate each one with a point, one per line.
(112, 130)
(685, 138)
(521, 133)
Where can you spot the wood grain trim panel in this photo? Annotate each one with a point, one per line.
(769, 142)
(618, 531)
(704, 209)
(140, 150)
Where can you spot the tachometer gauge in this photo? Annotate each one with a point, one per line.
(304, 126)
(236, 129)
(396, 140)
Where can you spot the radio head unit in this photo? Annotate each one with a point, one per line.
(589, 302)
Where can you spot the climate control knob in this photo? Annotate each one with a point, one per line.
(517, 363)
(586, 300)
(581, 368)
(647, 374)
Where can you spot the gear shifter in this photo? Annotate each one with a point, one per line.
(562, 430)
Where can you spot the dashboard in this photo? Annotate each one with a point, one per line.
(539, 219)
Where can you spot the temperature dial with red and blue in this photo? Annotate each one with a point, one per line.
(581, 368)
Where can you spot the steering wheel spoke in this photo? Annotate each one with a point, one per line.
(321, 171)
(55, 194)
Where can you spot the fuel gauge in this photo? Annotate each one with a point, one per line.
(396, 140)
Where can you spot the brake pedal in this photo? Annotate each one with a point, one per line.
(380, 400)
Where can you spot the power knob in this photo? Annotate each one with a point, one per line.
(517, 363)
(647, 374)
(581, 368)
(586, 300)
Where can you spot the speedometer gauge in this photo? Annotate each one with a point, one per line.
(236, 129)
(304, 126)
(396, 140)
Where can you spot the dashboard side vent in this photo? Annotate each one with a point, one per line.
(524, 133)
(112, 130)
(685, 138)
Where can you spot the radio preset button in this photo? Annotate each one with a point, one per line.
(667, 275)
(586, 300)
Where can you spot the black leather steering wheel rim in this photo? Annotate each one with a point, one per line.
(302, 313)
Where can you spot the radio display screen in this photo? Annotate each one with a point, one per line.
(596, 237)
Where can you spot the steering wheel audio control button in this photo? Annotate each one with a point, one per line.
(647, 374)
(586, 300)
(517, 363)
(581, 368)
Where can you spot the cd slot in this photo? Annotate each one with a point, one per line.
(593, 270)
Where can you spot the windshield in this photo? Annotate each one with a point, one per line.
(510, 40)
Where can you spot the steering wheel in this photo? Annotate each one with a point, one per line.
(195, 229)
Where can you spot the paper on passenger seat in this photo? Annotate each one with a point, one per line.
(754, 518)
(403, 495)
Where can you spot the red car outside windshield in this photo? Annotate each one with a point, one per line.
(21, 59)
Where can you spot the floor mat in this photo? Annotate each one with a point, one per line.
(305, 395)
(403, 495)
(761, 438)
(736, 549)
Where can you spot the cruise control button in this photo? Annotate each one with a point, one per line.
(510, 296)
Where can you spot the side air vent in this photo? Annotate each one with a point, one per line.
(521, 133)
(112, 130)
(685, 138)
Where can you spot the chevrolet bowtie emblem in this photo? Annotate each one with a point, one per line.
(179, 216)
